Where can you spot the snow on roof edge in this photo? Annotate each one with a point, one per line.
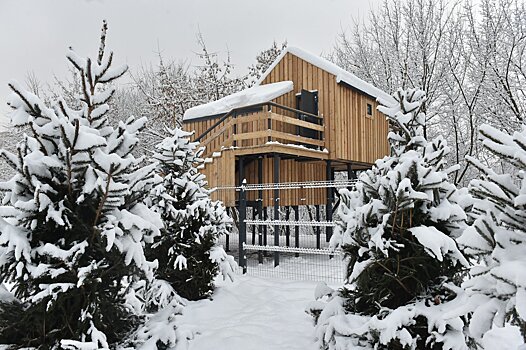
(341, 74)
(247, 97)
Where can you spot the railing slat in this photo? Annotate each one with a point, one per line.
(259, 136)
(296, 138)
(294, 121)
(218, 133)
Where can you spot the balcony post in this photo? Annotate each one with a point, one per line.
(276, 206)
(234, 127)
(269, 122)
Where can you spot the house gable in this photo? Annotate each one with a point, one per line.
(341, 75)
(350, 133)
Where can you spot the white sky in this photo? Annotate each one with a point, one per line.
(34, 34)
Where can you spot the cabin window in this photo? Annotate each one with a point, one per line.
(369, 109)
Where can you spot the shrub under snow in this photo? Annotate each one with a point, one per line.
(187, 250)
(497, 237)
(398, 228)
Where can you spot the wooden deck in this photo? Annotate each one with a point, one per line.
(258, 129)
(284, 149)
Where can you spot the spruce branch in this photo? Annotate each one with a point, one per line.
(102, 46)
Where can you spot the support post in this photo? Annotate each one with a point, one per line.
(231, 211)
(260, 208)
(351, 174)
(318, 229)
(328, 206)
(296, 229)
(242, 215)
(276, 207)
(265, 231)
(253, 207)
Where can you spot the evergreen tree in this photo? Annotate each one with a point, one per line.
(497, 236)
(188, 255)
(73, 223)
(398, 228)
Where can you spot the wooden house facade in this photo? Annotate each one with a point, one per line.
(305, 119)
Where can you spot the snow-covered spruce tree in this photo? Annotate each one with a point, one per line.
(398, 228)
(497, 237)
(188, 255)
(73, 221)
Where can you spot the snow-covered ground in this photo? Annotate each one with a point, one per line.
(253, 313)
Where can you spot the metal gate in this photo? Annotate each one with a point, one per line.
(291, 249)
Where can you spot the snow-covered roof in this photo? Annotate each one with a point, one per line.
(247, 97)
(341, 74)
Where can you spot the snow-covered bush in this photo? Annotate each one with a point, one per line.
(497, 237)
(187, 250)
(398, 228)
(73, 223)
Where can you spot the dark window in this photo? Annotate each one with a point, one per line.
(369, 109)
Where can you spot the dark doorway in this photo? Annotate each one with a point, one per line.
(307, 101)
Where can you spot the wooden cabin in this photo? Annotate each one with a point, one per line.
(305, 119)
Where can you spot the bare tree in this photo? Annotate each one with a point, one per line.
(167, 91)
(215, 78)
(263, 61)
(502, 30)
(468, 59)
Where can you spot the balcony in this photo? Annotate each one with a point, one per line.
(263, 127)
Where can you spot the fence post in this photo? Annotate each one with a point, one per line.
(296, 229)
(276, 206)
(242, 215)
(318, 240)
(351, 174)
(287, 229)
(328, 206)
(260, 207)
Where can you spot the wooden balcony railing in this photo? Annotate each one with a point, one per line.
(256, 126)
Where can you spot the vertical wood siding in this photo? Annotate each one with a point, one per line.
(350, 135)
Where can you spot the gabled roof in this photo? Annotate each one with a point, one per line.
(341, 74)
(251, 96)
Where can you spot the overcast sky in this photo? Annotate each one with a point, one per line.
(34, 34)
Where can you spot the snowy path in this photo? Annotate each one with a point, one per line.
(253, 313)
